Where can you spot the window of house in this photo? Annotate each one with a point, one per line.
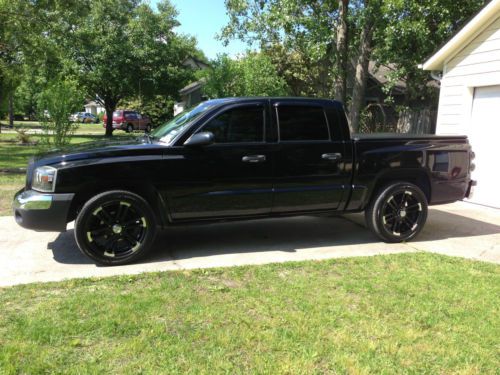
(241, 124)
(302, 123)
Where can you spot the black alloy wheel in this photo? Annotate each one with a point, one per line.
(115, 227)
(398, 213)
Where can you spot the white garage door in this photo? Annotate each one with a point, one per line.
(484, 136)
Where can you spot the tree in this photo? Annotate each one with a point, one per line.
(298, 35)
(368, 19)
(340, 85)
(29, 44)
(312, 42)
(314, 34)
(250, 75)
(10, 59)
(414, 31)
(120, 47)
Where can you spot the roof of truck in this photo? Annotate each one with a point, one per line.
(319, 101)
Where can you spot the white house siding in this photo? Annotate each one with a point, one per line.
(469, 104)
(476, 65)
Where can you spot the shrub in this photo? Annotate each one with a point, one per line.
(100, 116)
(55, 105)
(158, 108)
(23, 137)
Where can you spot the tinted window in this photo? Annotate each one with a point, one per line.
(242, 124)
(169, 130)
(304, 123)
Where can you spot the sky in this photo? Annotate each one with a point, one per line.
(204, 19)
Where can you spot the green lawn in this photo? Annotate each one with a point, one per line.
(9, 184)
(408, 313)
(31, 125)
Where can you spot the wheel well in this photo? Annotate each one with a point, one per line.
(148, 192)
(418, 178)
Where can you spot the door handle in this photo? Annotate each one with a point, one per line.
(253, 158)
(332, 157)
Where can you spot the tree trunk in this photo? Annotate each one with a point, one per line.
(362, 65)
(341, 77)
(110, 108)
(11, 109)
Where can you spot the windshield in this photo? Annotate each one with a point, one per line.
(167, 132)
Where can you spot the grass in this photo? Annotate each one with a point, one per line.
(9, 184)
(408, 313)
(32, 125)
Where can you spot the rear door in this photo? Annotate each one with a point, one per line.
(310, 169)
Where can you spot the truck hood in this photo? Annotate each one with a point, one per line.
(97, 149)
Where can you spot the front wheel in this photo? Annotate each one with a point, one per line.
(398, 212)
(130, 128)
(115, 227)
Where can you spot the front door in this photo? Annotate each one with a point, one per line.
(310, 171)
(233, 176)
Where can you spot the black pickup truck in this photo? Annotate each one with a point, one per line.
(241, 158)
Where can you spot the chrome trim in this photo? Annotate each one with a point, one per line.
(30, 200)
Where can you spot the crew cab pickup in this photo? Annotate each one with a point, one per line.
(241, 158)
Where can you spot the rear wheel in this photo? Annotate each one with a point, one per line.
(398, 212)
(115, 227)
(148, 128)
(130, 128)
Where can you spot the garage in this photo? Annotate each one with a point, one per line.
(469, 101)
(484, 135)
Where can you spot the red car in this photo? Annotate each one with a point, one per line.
(129, 121)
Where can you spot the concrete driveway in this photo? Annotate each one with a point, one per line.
(459, 229)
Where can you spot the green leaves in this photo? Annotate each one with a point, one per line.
(300, 38)
(114, 49)
(56, 103)
(412, 31)
(251, 75)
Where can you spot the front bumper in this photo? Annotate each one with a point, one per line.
(41, 211)
(470, 189)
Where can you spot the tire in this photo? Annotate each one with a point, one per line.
(398, 212)
(130, 128)
(148, 128)
(115, 227)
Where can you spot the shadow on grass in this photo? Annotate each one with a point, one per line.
(281, 234)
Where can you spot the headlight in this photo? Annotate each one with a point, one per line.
(44, 179)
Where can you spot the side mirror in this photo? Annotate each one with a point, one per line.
(200, 139)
